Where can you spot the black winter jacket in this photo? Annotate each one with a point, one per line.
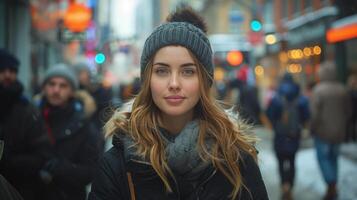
(26, 145)
(110, 182)
(76, 150)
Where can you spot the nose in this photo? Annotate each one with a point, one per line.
(174, 83)
(56, 88)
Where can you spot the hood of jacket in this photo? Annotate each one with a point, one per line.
(327, 72)
(88, 102)
(288, 88)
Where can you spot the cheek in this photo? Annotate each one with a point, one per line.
(193, 88)
(156, 88)
(68, 93)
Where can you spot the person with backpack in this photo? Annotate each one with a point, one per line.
(288, 111)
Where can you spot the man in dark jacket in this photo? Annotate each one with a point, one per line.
(23, 133)
(76, 146)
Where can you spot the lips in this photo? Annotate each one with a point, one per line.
(174, 99)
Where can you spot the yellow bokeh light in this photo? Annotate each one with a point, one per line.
(290, 54)
(317, 50)
(259, 70)
(299, 54)
(295, 54)
(270, 39)
(294, 68)
(307, 51)
(219, 74)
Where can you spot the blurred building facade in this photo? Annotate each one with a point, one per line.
(300, 39)
(297, 30)
(33, 30)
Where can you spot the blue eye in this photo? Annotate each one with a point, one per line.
(188, 72)
(161, 71)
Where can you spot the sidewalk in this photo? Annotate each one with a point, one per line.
(349, 151)
(309, 184)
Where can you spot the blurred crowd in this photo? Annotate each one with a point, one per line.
(51, 142)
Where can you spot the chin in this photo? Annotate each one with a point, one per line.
(175, 113)
(55, 103)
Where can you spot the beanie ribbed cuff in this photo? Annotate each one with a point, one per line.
(61, 70)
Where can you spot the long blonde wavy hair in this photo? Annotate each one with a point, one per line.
(143, 121)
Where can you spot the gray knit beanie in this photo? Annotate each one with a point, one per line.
(179, 33)
(61, 70)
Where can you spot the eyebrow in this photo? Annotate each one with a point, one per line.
(167, 65)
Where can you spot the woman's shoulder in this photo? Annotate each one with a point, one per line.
(112, 164)
(109, 181)
(252, 177)
(113, 155)
(247, 160)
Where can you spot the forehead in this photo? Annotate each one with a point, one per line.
(173, 54)
(8, 69)
(58, 80)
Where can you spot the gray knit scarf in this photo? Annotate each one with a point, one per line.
(181, 151)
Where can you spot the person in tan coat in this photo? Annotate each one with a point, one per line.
(330, 108)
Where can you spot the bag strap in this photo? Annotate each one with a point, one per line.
(128, 192)
(131, 186)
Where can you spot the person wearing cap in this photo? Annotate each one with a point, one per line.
(22, 131)
(175, 141)
(76, 146)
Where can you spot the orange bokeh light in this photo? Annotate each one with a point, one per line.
(77, 17)
(234, 58)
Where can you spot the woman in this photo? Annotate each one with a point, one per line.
(177, 142)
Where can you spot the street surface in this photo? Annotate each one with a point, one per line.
(309, 184)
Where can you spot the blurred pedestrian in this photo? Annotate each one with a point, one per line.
(76, 146)
(288, 113)
(26, 144)
(247, 102)
(330, 109)
(102, 96)
(177, 142)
